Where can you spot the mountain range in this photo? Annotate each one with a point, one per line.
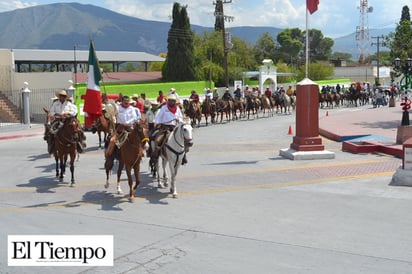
(71, 25)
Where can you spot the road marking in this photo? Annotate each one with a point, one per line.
(118, 200)
(213, 174)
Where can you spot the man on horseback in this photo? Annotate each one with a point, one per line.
(60, 110)
(166, 120)
(126, 118)
(194, 97)
(238, 94)
(227, 96)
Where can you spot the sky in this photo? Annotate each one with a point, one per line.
(335, 18)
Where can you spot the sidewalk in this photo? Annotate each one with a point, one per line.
(364, 129)
(20, 131)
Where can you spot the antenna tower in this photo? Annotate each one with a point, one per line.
(362, 31)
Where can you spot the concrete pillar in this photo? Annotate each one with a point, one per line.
(307, 118)
(26, 103)
(307, 144)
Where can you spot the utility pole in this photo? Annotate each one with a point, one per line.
(378, 43)
(220, 25)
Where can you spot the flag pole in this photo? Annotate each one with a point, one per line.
(307, 44)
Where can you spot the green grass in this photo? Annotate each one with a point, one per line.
(150, 89)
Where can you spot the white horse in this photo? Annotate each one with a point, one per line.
(285, 103)
(173, 151)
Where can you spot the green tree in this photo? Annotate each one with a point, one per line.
(400, 41)
(265, 48)
(291, 44)
(320, 47)
(179, 64)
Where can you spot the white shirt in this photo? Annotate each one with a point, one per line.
(166, 117)
(61, 108)
(151, 116)
(127, 115)
(209, 95)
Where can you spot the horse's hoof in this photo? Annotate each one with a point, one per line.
(106, 185)
(61, 179)
(72, 185)
(174, 195)
(119, 192)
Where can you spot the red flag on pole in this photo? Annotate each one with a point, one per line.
(312, 5)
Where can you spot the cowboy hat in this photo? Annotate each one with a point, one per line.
(172, 97)
(154, 103)
(61, 93)
(172, 89)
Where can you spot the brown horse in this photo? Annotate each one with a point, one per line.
(223, 106)
(192, 110)
(65, 142)
(267, 105)
(102, 124)
(129, 155)
(239, 104)
(209, 109)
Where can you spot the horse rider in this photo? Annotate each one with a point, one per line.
(60, 110)
(268, 94)
(166, 120)
(237, 93)
(215, 94)
(146, 102)
(194, 97)
(227, 96)
(161, 99)
(290, 93)
(125, 120)
(133, 103)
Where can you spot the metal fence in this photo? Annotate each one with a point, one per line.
(38, 99)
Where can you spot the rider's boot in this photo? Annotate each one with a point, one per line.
(111, 146)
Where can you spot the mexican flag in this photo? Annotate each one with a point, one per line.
(312, 5)
(93, 98)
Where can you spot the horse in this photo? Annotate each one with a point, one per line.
(285, 102)
(209, 109)
(47, 137)
(252, 105)
(65, 142)
(177, 144)
(193, 111)
(129, 155)
(103, 124)
(224, 106)
(239, 104)
(267, 105)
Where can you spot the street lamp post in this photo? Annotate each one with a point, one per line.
(404, 69)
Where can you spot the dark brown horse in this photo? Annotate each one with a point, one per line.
(239, 105)
(224, 106)
(192, 110)
(252, 106)
(102, 124)
(209, 109)
(65, 142)
(129, 155)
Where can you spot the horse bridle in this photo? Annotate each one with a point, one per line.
(178, 153)
(63, 137)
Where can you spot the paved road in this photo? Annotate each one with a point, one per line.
(241, 207)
